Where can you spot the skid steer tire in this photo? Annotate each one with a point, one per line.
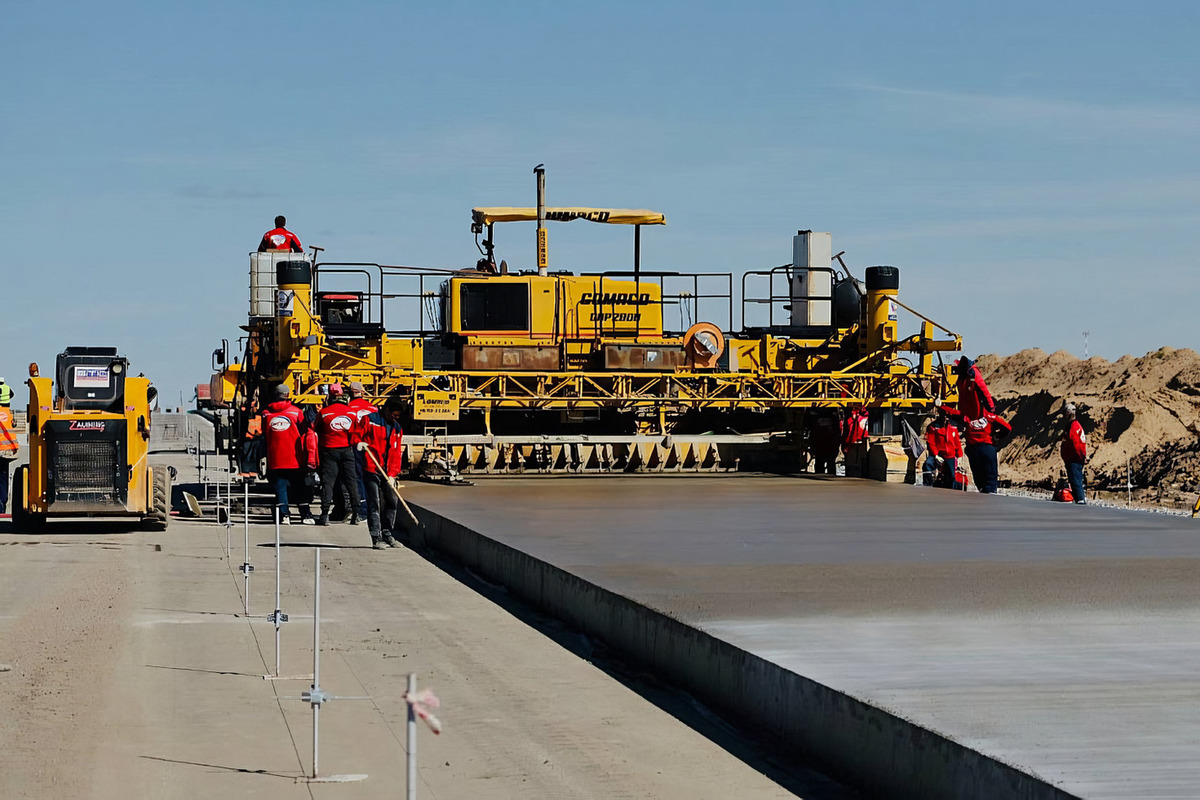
(160, 515)
(22, 520)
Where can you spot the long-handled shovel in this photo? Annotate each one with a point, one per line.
(388, 480)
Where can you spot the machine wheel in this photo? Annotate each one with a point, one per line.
(22, 520)
(160, 514)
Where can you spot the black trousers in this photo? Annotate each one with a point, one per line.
(381, 505)
(337, 466)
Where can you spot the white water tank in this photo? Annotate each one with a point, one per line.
(263, 298)
(812, 279)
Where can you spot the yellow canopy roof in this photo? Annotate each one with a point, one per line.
(613, 216)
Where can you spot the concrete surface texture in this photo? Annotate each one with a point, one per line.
(1059, 639)
(135, 673)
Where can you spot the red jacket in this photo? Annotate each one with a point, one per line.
(361, 407)
(384, 440)
(943, 440)
(335, 423)
(973, 395)
(1074, 444)
(283, 425)
(280, 239)
(856, 428)
(980, 428)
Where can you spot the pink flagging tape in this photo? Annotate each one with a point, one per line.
(421, 702)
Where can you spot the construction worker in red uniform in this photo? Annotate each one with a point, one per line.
(982, 431)
(973, 395)
(361, 407)
(381, 441)
(855, 441)
(943, 452)
(335, 426)
(280, 238)
(1074, 455)
(824, 436)
(285, 428)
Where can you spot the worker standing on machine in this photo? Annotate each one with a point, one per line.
(362, 408)
(284, 427)
(335, 425)
(381, 442)
(280, 238)
(855, 440)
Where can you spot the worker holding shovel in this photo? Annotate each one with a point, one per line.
(379, 436)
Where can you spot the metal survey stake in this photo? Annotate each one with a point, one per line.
(246, 568)
(315, 696)
(420, 705)
(412, 739)
(278, 616)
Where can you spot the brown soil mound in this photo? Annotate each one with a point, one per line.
(1141, 412)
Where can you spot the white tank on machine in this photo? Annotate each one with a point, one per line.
(812, 279)
(263, 297)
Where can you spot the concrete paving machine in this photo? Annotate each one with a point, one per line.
(89, 434)
(537, 370)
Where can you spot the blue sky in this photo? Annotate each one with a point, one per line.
(1032, 168)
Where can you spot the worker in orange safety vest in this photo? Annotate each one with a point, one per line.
(8, 452)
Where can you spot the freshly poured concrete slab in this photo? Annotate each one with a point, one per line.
(1064, 640)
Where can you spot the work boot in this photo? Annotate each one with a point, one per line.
(324, 520)
(389, 541)
(378, 544)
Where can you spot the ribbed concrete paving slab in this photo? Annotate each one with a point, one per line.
(1060, 639)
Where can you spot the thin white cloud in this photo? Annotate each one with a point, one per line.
(1090, 118)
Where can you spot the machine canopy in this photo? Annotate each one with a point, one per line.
(613, 216)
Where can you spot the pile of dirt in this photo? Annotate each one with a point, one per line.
(1140, 414)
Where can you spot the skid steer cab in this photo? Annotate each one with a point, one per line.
(89, 435)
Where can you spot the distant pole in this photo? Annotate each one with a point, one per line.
(1085, 345)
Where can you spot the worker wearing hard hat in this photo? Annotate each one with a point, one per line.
(8, 445)
(5, 394)
(1074, 454)
(280, 238)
